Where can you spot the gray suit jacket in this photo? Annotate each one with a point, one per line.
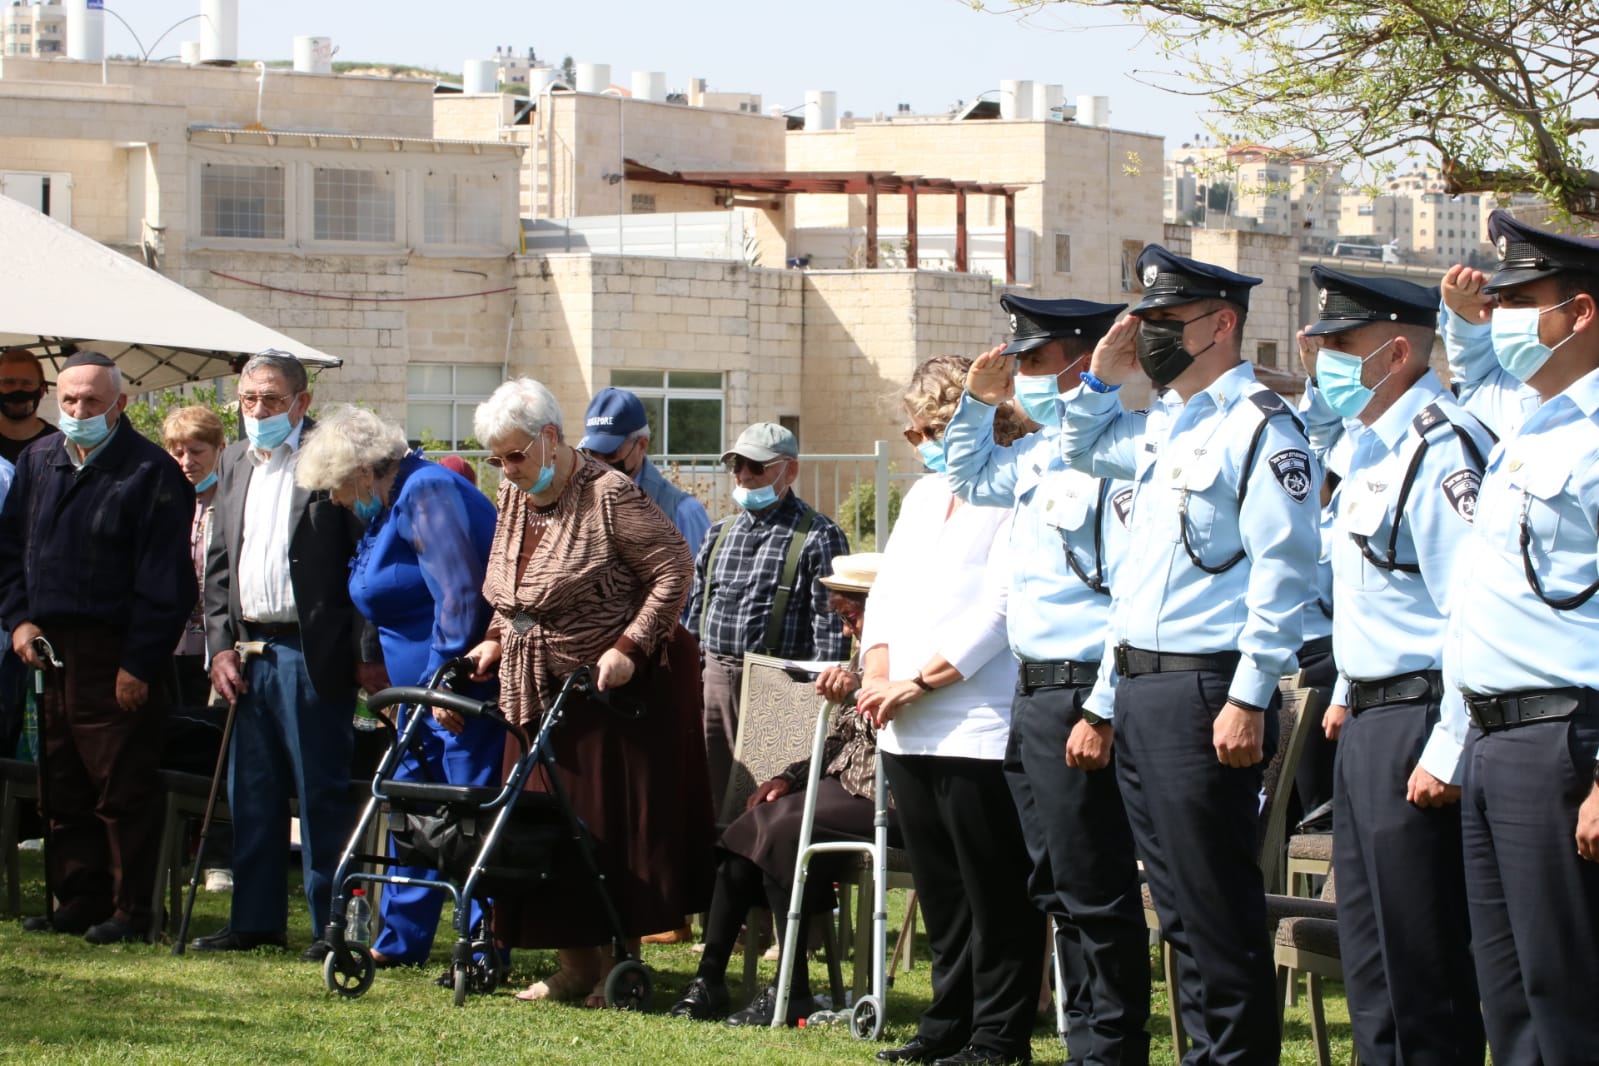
(322, 542)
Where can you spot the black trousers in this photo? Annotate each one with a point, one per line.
(1085, 875)
(1403, 932)
(1313, 781)
(1534, 901)
(1197, 824)
(971, 868)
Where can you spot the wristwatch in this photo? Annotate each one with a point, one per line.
(1093, 719)
(921, 683)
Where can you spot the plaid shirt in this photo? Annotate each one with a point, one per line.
(744, 585)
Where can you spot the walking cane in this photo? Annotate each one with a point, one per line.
(47, 655)
(246, 650)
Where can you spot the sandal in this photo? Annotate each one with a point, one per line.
(562, 986)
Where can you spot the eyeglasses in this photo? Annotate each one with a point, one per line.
(270, 401)
(738, 462)
(517, 457)
(11, 384)
(913, 436)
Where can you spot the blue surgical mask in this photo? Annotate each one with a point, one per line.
(1338, 378)
(1515, 339)
(932, 453)
(205, 482)
(758, 499)
(546, 472)
(268, 433)
(1037, 393)
(87, 432)
(367, 509)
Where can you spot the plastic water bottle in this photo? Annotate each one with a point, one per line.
(822, 1019)
(358, 918)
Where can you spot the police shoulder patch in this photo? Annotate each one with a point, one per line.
(1460, 489)
(1122, 502)
(1291, 468)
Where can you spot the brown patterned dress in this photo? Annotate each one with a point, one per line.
(608, 570)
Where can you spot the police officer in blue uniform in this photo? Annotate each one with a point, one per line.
(1520, 645)
(1499, 400)
(1067, 533)
(1220, 564)
(1406, 507)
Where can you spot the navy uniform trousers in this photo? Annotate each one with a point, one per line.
(1403, 931)
(1085, 875)
(1534, 901)
(970, 864)
(1196, 824)
(1313, 781)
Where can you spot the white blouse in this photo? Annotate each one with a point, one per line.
(941, 591)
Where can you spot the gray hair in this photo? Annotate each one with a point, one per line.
(346, 442)
(520, 405)
(279, 362)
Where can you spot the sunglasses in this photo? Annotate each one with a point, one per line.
(738, 462)
(517, 457)
(914, 436)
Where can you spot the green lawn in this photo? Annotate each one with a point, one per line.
(62, 1001)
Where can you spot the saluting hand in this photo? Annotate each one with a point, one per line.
(1239, 736)
(1309, 349)
(1425, 790)
(992, 377)
(1115, 359)
(1088, 746)
(1462, 292)
(1588, 826)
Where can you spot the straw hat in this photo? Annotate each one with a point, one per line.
(854, 573)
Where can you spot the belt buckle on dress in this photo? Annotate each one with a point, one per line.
(521, 622)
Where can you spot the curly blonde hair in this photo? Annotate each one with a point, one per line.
(935, 389)
(348, 441)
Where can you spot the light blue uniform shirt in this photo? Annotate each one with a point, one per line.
(1390, 621)
(1499, 400)
(7, 471)
(1329, 443)
(1053, 616)
(1192, 457)
(1501, 637)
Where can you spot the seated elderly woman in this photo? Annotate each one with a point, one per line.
(759, 849)
(417, 576)
(585, 570)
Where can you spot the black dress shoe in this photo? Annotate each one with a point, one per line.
(916, 1049)
(702, 1001)
(318, 951)
(74, 923)
(225, 939)
(762, 1008)
(972, 1055)
(114, 931)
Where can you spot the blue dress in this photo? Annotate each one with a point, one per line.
(418, 577)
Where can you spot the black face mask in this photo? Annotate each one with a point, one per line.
(1160, 348)
(10, 401)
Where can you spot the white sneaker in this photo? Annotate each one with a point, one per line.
(219, 880)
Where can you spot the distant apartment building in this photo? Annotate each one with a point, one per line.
(1254, 188)
(34, 29)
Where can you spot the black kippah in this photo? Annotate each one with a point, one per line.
(87, 359)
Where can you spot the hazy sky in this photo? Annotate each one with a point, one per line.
(874, 53)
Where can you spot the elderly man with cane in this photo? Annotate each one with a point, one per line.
(94, 559)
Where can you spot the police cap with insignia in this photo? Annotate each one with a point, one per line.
(1034, 323)
(1349, 302)
(1527, 253)
(1170, 280)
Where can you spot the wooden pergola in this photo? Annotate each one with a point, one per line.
(868, 183)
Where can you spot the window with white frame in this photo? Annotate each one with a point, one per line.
(353, 205)
(685, 408)
(241, 201)
(440, 399)
(461, 208)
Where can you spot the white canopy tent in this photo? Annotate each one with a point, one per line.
(61, 291)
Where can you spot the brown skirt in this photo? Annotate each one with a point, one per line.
(640, 787)
(769, 837)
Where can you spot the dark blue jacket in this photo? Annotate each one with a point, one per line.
(107, 545)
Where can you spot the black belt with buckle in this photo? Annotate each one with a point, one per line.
(1131, 661)
(1420, 686)
(1493, 713)
(1055, 675)
(271, 630)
